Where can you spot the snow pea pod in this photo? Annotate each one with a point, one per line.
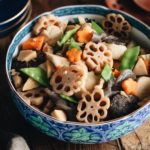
(68, 98)
(97, 28)
(68, 35)
(37, 74)
(106, 73)
(74, 44)
(129, 58)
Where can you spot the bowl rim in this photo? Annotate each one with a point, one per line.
(27, 12)
(28, 3)
(50, 117)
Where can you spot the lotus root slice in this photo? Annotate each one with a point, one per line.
(93, 107)
(33, 97)
(96, 56)
(46, 21)
(67, 80)
(116, 25)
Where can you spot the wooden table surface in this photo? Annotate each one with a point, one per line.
(12, 121)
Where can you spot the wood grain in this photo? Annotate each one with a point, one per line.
(11, 120)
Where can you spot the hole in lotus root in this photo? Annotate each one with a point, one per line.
(56, 24)
(102, 103)
(88, 97)
(95, 118)
(67, 88)
(125, 23)
(83, 115)
(28, 95)
(59, 87)
(90, 118)
(83, 106)
(75, 71)
(97, 96)
(58, 79)
(108, 24)
(90, 53)
(94, 61)
(107, 54)
(93, 48)
(101, 112)
(119, 19)
(125, 28)
(37, 95)
(101, 48)
(45, 24)
(112, 18)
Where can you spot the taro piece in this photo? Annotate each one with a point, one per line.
(96, 56)
(67, 80)
(93, 107)
(115, 24)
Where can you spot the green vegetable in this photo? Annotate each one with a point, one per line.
(68, 98)
(37, 74)
(97, 28)
(68, 35)
(106, 73)
(74, 44)
(129, 58)
(76, 20)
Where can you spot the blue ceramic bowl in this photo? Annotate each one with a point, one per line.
(73, 131)
(14, 11)
(22, 20)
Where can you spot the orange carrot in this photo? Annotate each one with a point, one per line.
(74, 55)
(129, 86)
(34, 43)
(84, 36)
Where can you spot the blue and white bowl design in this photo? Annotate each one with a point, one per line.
(72, 131)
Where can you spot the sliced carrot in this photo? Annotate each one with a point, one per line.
(35, 43)
(129, 86)
(74, 55)
(84, 36)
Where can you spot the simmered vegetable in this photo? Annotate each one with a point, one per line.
(129, 58)
(33, 43)
(74, 55)
(37, 74)
(106, 73)
(68, 98)
(84, 36)
(68, 35)
(130, 86)
(74, 44)
(97, 28)
(77, 71)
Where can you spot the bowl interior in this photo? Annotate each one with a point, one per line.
(140, 32)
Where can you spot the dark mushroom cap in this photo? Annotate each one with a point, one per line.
(122, 105)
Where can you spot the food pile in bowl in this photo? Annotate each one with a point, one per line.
(82, 70)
